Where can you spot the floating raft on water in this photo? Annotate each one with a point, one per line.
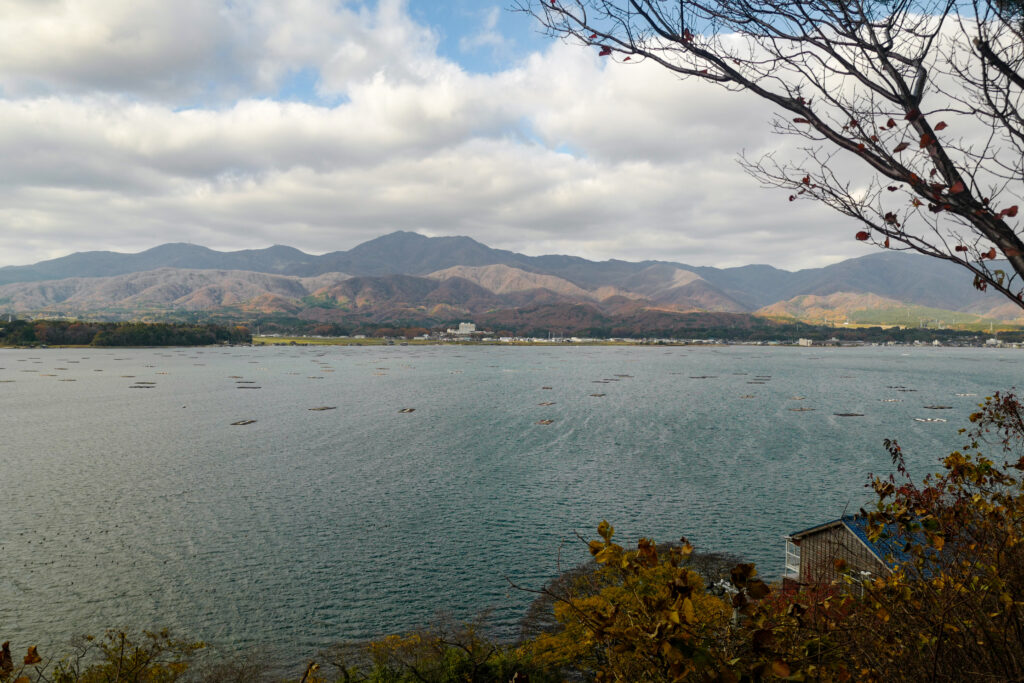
(407, 410)
(848, 414)
(544, 422)
(597, 395)
(547, 403)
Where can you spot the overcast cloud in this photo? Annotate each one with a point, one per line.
(320, 124)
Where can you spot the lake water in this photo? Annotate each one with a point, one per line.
(145, 507)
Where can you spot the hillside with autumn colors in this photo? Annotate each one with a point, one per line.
(408, 277)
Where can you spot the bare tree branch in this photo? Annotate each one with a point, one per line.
(912, 108)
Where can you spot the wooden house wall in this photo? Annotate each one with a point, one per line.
(819, 552)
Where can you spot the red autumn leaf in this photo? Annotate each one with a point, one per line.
(806, 180)
(687, 36)
(941, 125)
(959, 247)
(957, 188)
(913, 115)
(605, 51)
(862, 235)
(780, 668)
(1011, 211)
(900, 147)
(890, 123)
(914, 178)
(874, 138)
(926, 140)
(860, 146)
(627, 59)
(32, 657)
(893, 188)
(593, 35)
(703, 71)
(792, 197)
(990, 254)
(800, 120)
(891, 218)
(886, 242)
(915, 201)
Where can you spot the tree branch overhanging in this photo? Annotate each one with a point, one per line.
(913, 106)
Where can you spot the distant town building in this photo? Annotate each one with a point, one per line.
(465, 329)
(804, 342)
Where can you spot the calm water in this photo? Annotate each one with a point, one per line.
(134, 507)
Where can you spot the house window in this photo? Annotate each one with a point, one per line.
(792, 560)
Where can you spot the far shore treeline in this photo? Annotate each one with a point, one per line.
(76, 333)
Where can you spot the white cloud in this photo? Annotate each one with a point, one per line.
(560, 152)
(487, 36)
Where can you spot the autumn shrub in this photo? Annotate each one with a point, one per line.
(950, 609)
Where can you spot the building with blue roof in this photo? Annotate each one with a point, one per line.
(812, 554)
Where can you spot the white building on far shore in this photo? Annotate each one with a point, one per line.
(465, 329)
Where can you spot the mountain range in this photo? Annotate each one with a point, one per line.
(404, 276)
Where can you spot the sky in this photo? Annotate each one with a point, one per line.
(320, 124)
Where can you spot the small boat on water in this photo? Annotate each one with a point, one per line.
(929, 419)
(242, 423)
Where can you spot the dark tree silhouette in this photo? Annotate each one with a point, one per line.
(909, 110)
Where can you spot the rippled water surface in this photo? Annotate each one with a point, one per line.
(145, 507)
